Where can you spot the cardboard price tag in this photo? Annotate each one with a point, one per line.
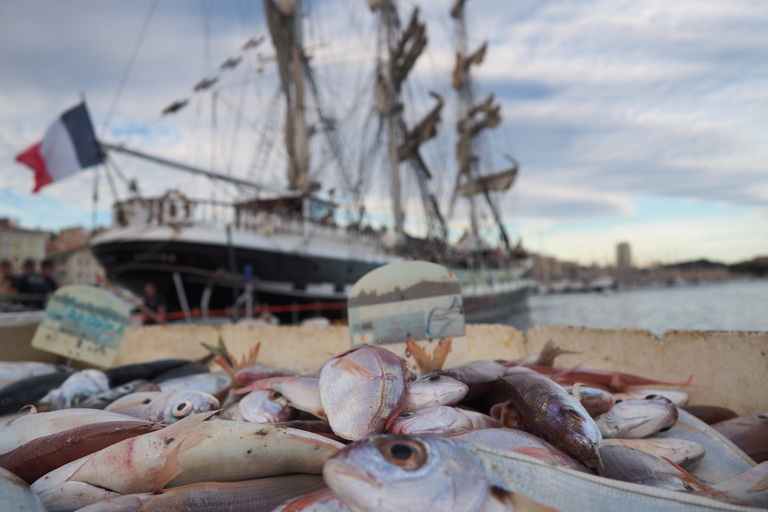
(84, 323)
(408, 299)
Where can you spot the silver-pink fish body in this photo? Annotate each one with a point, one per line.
(595, 401)
(362, 391)
(259, 372)
(518, 441)
(302, 393)
(164, 406)
(324, 500)
(636, 419)
(442, 420)
(433, 390)
(264, 406)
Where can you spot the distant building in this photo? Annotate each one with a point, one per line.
(623, 256)
(72, 260)
(75, 266)
(623, 260)
(18, 244)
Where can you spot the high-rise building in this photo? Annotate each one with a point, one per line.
(623, 258)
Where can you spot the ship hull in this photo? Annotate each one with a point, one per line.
(295, 284)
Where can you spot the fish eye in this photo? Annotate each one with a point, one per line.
(618, 401)
(406, 454)
(182, 408)
(275, 396)
(126, 388)
(651, 397)
(572, 414)
(434, 378)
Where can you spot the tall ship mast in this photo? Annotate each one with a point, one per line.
(287, 250)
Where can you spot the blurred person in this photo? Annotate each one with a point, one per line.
(154, 302)
(32, 283)
(46, 271)
(7, 279)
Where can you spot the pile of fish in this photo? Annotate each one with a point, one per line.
(366, 433)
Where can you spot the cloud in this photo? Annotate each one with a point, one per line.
(603, 101)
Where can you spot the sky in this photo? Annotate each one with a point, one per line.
(641, 121)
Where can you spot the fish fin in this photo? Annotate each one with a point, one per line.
(549, 352)
(226, 366)
(508, 501)
(576, 391)
(353, 367)
(533, 451)
(761, 485)
(423, 360)
(171, 469)
(440, 354)
(180, 426)
(684, 383)
(693, 482)
(253, 356)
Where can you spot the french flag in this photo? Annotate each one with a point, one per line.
(69, 146)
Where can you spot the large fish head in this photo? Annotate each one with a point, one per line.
(362, 391)
(180, 404)
(432, 390)
(77, 388)
(265, 406)
(638, 418)
(571, 428)
(404, 473)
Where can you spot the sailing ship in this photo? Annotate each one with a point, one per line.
(284, 248)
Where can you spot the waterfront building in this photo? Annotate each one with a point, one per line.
(18, 244)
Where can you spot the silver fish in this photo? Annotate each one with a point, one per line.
(677, 397)
(441, 420)
(411, 473)
(301, 392)
(723, 459)
(507, 439)
(751, 486)
(259, 495)
(595, 401)
(31, 426)
(479, 376)
(324, 500)
(362, 391)
(17, 495)
(401, 474)
(105, 398)
(78, 387)
(680, 451)
(433, 390)
(11, 371)
(552, 413)
(187, 452)
(261, 406)
(634, 419)
(630, 465)
(212, 383)
(165, 406)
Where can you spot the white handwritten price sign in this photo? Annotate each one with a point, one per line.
(409, 299)
(84, 323)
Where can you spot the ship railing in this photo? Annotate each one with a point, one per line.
(217, 217)
(177, 211)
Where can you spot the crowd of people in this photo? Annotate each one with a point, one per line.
(33, 289)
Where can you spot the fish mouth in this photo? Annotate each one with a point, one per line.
(336, 469)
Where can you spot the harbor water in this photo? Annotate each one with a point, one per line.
(730, 306)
